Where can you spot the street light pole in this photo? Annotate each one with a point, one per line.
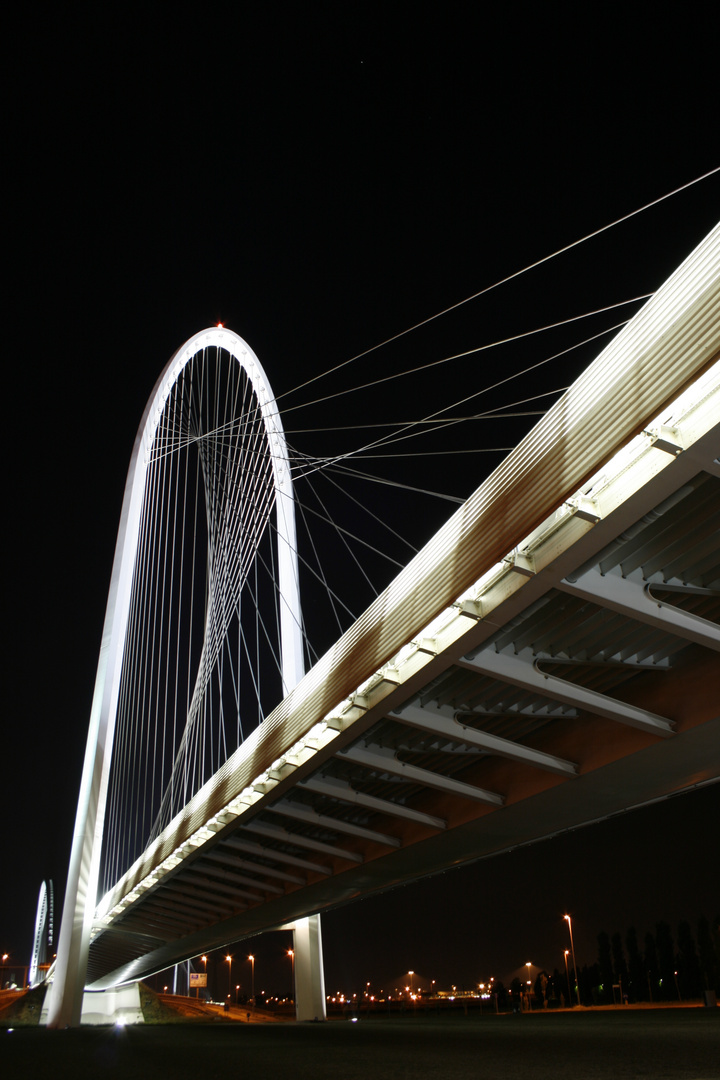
(291, 954)
(252, 963)
(567, 977)
(572, 949)
(229, 963)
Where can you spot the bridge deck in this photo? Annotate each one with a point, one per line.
(558, 664)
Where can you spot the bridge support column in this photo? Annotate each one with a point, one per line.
(309, 973)
(119, 1005)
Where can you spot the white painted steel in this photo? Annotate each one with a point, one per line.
(343, 792)
(309, 975)
(276, 832)
(254, 848)
(311, 817)
(630, 598)
(387, 761)
(81, 892)
(435, 723)
(521, 671)
(43, 920)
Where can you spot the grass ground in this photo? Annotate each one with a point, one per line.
(677, 1044)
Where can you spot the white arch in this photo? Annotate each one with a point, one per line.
(81, 893)
(43, 932)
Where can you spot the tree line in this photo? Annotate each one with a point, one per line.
(663, 969)
(658, 968)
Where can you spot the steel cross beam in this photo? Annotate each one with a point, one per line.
(275, 832)
(242, 879)
(284, 857)
(629, 598)
(520, 671)
(437, 724)
(216, 878)
(341, 790)
(312, 817)
(387, 761)
(258, 868)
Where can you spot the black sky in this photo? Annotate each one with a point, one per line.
(321, 177)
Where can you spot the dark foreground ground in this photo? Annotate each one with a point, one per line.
(673, 1043)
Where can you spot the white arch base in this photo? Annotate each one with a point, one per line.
(121, 1005)
(309, 973)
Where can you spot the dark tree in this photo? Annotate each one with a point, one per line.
(542, 988)
(588, 982)
(666, 960)
(709, 960)
(651, 967)
(558, 988)
(502, 995)
(637, 984)
(619, 966)
(689, 977)
(605, 967)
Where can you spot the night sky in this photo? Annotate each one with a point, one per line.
(320, 178)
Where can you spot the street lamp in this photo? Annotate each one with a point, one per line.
(291, 954)
(251, 958)
(411, 973)
(567, 977)
(572, 949)
(229, 964)
(237, 988)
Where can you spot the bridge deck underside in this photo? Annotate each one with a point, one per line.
(591, 688)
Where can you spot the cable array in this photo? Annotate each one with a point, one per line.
(201, 664)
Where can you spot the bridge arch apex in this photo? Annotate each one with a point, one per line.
(220, 337)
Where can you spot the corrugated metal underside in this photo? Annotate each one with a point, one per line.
(414, 790)
(582, 681)
(661, 351)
